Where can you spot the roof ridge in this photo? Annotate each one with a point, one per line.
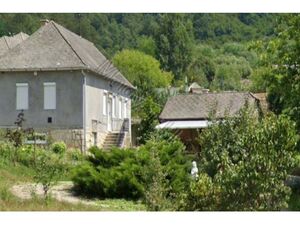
(68, 43)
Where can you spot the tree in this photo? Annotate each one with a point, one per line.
(144, 72)
(281, 56)
(147, 45)
(48, 170)
(148, 112)
(174, 41)
(141, 69)
(244, 162)
(227, 78)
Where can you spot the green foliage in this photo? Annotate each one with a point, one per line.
(141, 69)
(281, 56)
(109, 174)
(7, 151)
(259, 79)
(202, 68)
(248, 161)
(174, 42)
(156, 187)
(147, 45)
(134, 174)
(222, 69)
(148, 113)
(48, 170)
(174, 161)
(59, 147)
(221, 28)
(226, 78)
(202, 195)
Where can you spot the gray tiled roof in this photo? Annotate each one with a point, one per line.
(53, 47)
(7, 43)
(200, 106)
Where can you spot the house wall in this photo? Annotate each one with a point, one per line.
(67, 119)
(68, 113)
(96, 121)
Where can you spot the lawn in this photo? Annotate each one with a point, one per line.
(11, 175)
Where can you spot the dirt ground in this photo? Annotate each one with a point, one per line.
(61, 192)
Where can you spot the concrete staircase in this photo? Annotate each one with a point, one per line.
(113, 140)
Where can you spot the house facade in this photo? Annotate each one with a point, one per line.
(66, 88)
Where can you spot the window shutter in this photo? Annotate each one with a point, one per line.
(49, 95)
(22, 96)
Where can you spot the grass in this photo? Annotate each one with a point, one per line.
(11, 175)
(294, 202)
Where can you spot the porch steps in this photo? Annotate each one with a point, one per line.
(113, 140)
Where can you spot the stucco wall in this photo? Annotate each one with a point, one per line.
(96, 121)
(68, 112)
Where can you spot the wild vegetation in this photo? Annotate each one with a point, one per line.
(244, 161)
(133, 173)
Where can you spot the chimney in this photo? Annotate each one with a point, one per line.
(44, 22)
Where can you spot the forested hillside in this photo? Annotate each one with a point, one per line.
(211, 49)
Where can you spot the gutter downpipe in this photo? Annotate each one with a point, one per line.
(84, 102)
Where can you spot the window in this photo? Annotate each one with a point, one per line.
(114, 107)
(104, 103)
(120, 108)
(125, 108)
(22, 96)
(49, 95)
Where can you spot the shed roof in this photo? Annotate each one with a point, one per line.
(200, 106)
(53, 47)
(7, 42)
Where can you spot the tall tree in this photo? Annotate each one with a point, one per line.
(281, 57)
(174, 42)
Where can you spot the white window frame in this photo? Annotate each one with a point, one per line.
(125, 114)
(22, 96)
(49, 96)
(114, 106)
(104, 103)
(120, 107)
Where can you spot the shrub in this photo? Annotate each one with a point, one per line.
(175, 163)
(48, 170)
(59, 147)
(7, 151)
(109, 174)
(247, 160)
(156, 185)
(202, 195)
(157, 170)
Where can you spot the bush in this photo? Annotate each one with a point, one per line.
(202, 195)
(48, 170)
(7, 151)
(59, 147)
(128, 173)
(112, 174)
(247, 160)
